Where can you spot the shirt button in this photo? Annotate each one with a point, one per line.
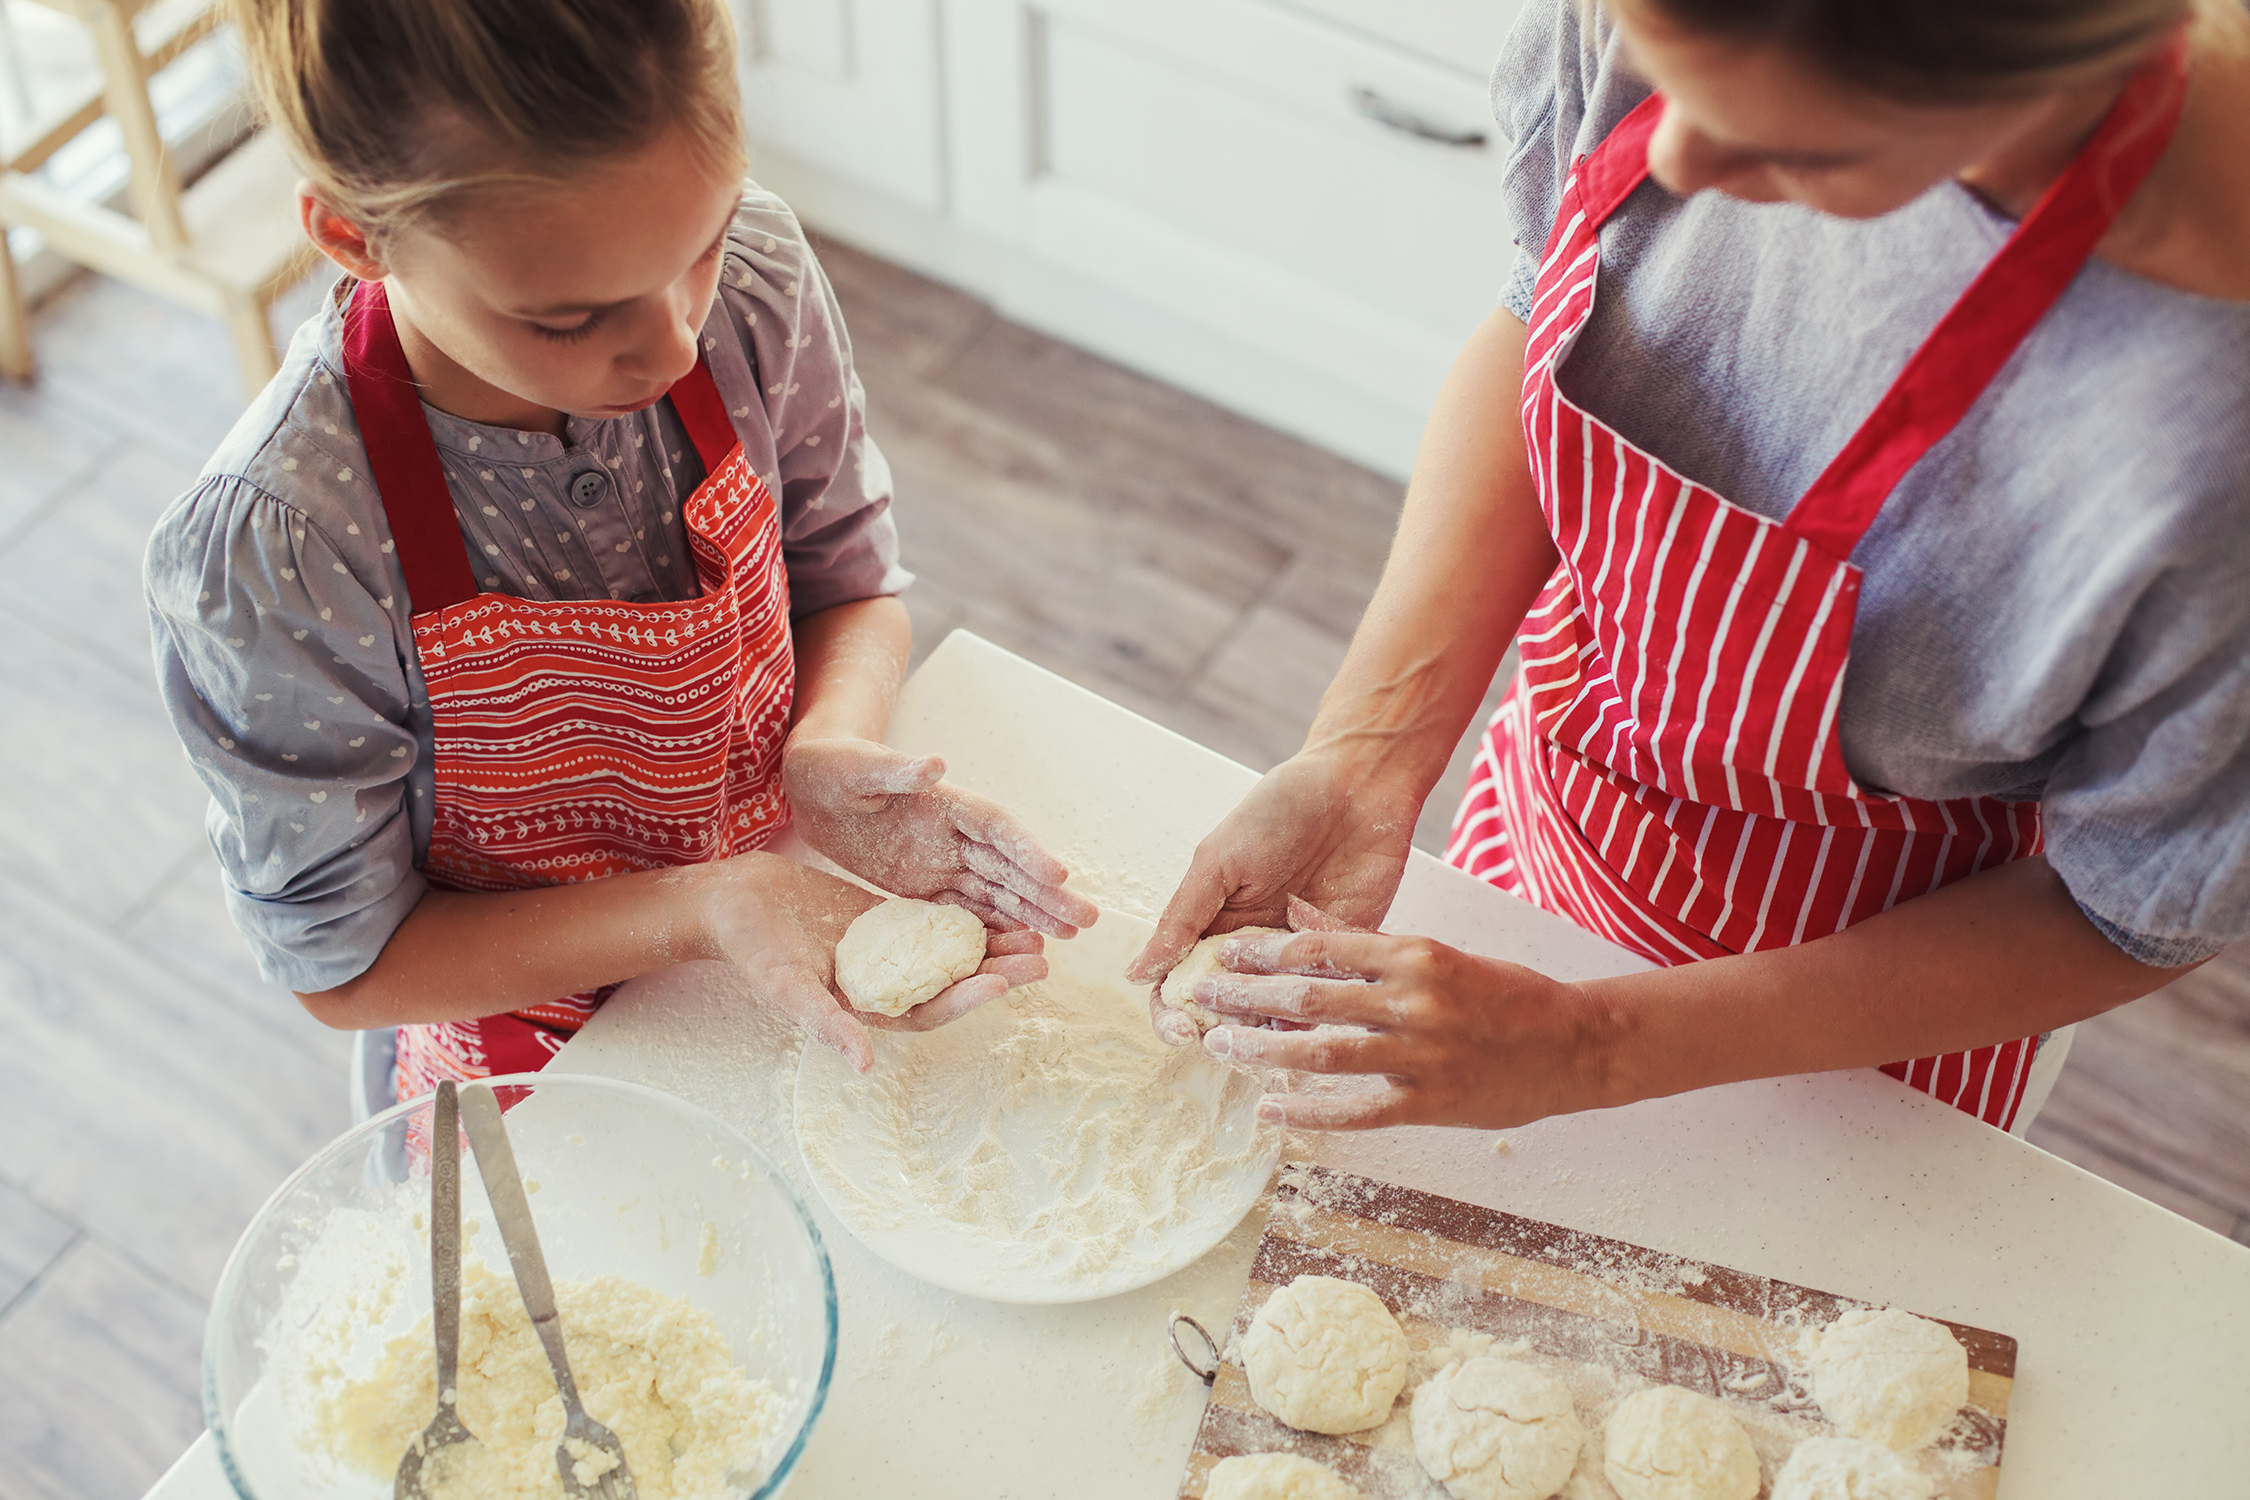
(587, 488)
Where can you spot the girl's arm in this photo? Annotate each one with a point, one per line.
(892, 818)
(1333, 823)
(460, 954)
(1474, 1041)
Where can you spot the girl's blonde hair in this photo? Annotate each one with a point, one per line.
(396, 108)
(1955, 51)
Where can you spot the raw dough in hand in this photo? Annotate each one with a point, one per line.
(1668, 1444)
(1842, 1468)
(899, 954)
(1202, 959)
(1890, 1377)
(1495, 1429)
(1325, 1356)
(1274, 1476)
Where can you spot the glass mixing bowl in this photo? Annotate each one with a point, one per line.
(623, 1180)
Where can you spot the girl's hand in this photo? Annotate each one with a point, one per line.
(1457, 1040)
(1309, 828)
(892, 819)
(778, 922)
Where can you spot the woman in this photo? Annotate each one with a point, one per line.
(1947, 300)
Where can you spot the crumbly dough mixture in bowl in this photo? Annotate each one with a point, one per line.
(654, 1369)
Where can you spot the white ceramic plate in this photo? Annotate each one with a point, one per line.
(1046, 1148)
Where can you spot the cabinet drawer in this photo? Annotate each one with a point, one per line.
(1461, 34)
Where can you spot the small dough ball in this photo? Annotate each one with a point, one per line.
(1275, 1476)
(1890, 1377)
(1325, 1356)
(899, 954)
(1842, 1468)
(1495, 1429)
(1668, 1444)
(1202, 959)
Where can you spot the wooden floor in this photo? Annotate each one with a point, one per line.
(1184, 562)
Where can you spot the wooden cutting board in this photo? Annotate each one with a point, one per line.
(1604, 1316)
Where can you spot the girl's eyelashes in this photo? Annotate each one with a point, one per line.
(572, 334)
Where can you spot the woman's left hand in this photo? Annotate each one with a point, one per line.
(1456, 1039)
(894, 820)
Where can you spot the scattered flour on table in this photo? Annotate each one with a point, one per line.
(652, 1368)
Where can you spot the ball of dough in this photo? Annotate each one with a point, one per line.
(1890, 1377)
(1842, 1468)
(1325, 1356)
(1494, 1429)
(899, 954)
(1275, 1476)
(1202, 959)
(1668, 1444)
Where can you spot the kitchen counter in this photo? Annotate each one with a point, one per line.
(2134, 1324)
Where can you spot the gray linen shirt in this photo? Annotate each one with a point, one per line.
(2055, 603)
(280, 614)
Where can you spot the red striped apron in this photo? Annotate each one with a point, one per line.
(579, 738)
(1666, 770)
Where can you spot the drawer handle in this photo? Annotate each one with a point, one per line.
(1399, 118)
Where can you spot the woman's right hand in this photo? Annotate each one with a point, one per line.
(778, 923)
(1316, 827)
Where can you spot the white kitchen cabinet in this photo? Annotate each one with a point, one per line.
(850, 88)
(1290, 208)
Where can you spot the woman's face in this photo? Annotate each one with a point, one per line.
(1764, 124)
(585, 297)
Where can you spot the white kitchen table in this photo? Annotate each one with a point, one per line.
(2133, 1371)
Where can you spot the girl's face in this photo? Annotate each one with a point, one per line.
(586, 297)
(1763, 124)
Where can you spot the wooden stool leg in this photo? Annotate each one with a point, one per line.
(253, 343)
(15, 317)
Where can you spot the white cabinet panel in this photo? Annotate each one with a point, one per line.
(1463, 34)
(849, 86)
(1326, 202)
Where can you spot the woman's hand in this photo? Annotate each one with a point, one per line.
(1309, 828)
(1455, 1039)
(892, 819)
(778, 923)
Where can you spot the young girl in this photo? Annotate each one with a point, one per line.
(1860, 452)
(554, 572)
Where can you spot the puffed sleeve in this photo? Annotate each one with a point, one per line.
(281, 673)
(838, 537)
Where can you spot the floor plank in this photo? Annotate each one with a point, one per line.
(95, 1404)
(137, 1104)
(31, 1237)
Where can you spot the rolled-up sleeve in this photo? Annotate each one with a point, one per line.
(281, 673)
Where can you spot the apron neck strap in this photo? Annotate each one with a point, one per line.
(402, 460)
(1983, 329)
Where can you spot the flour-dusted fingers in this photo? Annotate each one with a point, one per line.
(1369, 1109)
(947, 1006)
(1019, 969)
(807, 997)
(883, 772)
(1297, 997)
(1010, 905)
(1174, 1027)
(1014, 940)
(1306, 917)
(1065, 906)
(987, 822)
(1323, 1049)
(1331, 955)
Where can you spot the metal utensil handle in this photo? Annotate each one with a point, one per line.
(445, 1234)
(1398, 117)
(511, 1210)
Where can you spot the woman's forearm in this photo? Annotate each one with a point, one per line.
(1470, 556)
(2002, 954)
(462, 954)
(850, 661)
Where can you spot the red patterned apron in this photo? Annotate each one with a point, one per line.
(580, 738)
(1666, 771)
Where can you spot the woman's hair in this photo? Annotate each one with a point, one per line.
(1953, 50)
(396, 108)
